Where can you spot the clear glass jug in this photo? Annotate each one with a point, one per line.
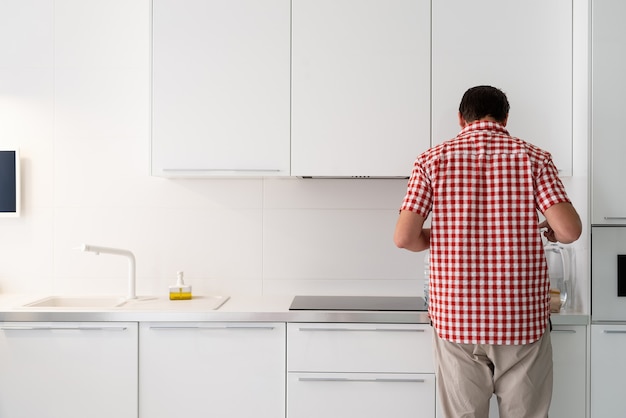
(561, 272)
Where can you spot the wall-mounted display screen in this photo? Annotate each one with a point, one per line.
(9, 183)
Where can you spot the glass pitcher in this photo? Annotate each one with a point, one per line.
(560, 271)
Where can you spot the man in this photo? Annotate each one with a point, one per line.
(489, 297)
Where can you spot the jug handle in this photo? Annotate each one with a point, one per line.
(566, 264)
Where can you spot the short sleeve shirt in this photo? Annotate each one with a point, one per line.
(488, 274)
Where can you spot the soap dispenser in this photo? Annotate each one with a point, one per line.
(180, 291)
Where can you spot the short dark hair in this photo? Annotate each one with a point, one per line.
(481, 101)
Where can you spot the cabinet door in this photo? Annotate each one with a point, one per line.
(608, 367)
(521, 47)
(212, 369)
(220, 87)
(360, 86)
(363, 395)
(608, 200)
(68, 370)
(569, 393)
(569, 353)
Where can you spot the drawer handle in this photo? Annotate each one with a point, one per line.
(564, 331)
(614, 331)
(362, 329)
(26, 328)
(217, 170)
(608, 218)
(214, 328)
(373, 380)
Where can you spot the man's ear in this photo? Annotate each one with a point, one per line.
(462, 122)
(506, 119)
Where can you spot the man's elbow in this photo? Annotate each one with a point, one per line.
(571, 234)
(570, 231)
(401, 241)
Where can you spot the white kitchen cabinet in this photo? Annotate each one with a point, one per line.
(360, 87)
(521, 47)
(204, 369)
(608, 200)
(220, 88)
(569, 353)
(68, 369)
(365, 370)
(608, 367)
(569, 393)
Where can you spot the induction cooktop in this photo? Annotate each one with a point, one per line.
(358, 303)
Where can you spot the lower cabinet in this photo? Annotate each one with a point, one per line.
(569, 354)
(364, 370)
(204, 369)
(608, 368)
(68, 369)
(250, 369)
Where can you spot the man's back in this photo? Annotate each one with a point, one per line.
(487, 257)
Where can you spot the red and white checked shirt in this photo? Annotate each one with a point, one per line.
(488, 274)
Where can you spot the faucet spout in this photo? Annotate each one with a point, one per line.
(117, 251)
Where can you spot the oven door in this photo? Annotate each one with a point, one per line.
(608, 273)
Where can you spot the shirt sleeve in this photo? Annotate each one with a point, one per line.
(549, 188)
(419, 192)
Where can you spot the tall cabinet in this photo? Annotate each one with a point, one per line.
(608, 209)
(608, 199)
(521, 47)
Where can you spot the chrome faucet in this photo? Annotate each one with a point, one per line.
(117, 251)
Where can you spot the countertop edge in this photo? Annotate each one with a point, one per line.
(217, 316)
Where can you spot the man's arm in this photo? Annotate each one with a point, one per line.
(563, 223)
(410, 234)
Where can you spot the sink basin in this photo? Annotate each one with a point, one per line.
(78, 302)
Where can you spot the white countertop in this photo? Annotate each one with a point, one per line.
(199, 308)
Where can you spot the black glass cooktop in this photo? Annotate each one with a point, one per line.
(357, 303)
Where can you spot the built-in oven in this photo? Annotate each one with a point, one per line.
(608, 273)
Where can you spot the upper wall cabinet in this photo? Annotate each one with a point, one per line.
(220, 87)
(360, 87)
(521, 47)
(608, 200)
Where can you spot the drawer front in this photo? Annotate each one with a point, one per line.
(364, 395)
(385, 348)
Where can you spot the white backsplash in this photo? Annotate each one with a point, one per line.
(75, 98)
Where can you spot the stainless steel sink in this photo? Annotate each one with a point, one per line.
(78, 302)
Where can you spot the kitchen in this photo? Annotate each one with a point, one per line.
(76, 98)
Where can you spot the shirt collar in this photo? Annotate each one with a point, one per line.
(484, 125)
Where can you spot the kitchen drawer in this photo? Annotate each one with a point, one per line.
(364, 395)
(386, 348)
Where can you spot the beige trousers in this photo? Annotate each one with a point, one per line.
(519, 375)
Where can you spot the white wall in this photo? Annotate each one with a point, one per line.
(74, 97)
